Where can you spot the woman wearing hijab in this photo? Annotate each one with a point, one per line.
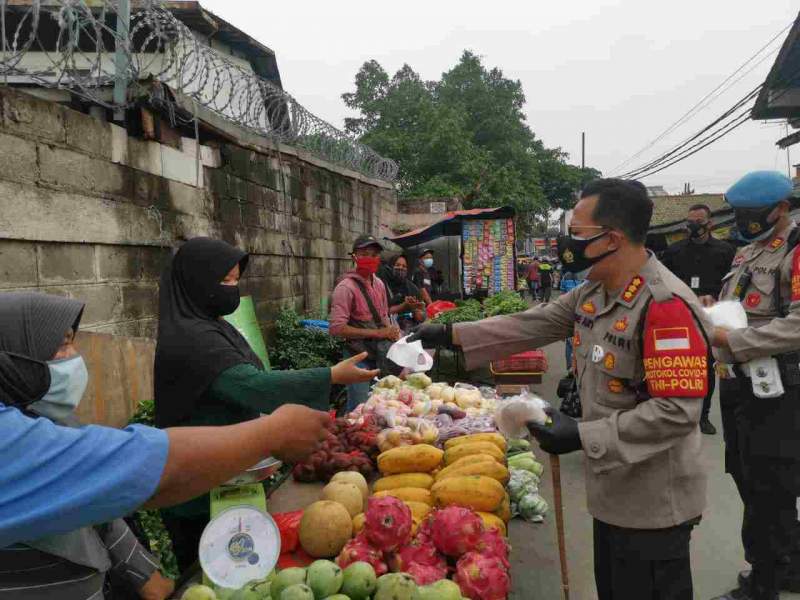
(207, 374)
(405, 298)
(82, 563)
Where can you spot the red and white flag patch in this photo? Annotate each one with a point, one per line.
(671, 338)
(675, 352)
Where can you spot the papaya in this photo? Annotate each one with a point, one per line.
(492, 521)
(419, 510)
(358, 523)
(470, 459)
(489, 468)
(495, 438)
(409, 494)
(478, 492)
(404, 480)
(462, 450)
(421, 458)
(504, 510)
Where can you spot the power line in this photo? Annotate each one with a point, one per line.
(680, 152)
(706, 100)
(676, 149)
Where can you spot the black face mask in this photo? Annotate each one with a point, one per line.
(399, 274)
(696, 230)
(573, 254)
(225, 300)
(753, 223)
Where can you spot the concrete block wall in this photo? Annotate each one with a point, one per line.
(89, 212)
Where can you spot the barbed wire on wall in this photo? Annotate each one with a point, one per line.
(71, 44)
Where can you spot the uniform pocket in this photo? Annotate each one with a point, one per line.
(615, 372)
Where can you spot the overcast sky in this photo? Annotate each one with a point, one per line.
(621, 70)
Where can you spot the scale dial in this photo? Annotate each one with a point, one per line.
(239, 545)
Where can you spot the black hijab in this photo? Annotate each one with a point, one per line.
(32, 328)
(398, 289)
(194, 344)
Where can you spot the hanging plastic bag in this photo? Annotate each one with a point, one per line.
(410, 355)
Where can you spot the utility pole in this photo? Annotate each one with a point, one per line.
(583, 149)
(122, 59)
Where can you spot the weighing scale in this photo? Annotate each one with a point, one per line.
(241, 542)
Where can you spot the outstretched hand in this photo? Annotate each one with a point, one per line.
(348, 371)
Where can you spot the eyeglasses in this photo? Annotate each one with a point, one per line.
(571, 230)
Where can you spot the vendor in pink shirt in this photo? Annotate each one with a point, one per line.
(360, 313)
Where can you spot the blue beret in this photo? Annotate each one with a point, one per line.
(759, 189)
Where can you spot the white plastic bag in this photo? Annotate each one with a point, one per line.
(411, 356)
(728, 315)
(513, 414)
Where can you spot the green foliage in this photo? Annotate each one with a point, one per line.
(469, 310)
(299, 348)
(463, 136)
(150, 520)
(504, 303)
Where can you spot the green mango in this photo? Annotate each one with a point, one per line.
(396, 586)
(298, 591)
(324, 578)
(440, 590)
(359, 581)
(286, 578)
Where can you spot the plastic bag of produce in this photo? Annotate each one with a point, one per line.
(289, 527)
(513, 414)
(532, 507)
(467, 396)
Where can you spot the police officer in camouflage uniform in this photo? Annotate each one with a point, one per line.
(759, 382)
(642, 368)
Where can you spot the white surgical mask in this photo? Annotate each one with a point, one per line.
(68, 380)
(428, 262)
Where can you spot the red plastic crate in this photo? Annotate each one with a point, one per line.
(532, 361)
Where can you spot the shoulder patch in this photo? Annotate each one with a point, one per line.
(796, 275)
(675, 353)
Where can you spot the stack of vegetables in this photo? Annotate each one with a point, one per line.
(523, 485)
(503, 303)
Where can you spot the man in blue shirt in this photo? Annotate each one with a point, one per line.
(55, 479)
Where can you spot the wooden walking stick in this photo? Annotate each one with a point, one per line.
(555, 469)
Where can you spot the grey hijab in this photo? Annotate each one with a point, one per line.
(32, 328)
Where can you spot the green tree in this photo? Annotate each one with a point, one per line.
(465, 136)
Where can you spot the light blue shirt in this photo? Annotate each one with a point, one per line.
(56, 479)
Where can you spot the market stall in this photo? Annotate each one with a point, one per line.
(410, 496)
(475, 249)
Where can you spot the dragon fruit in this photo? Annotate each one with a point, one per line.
(493, 544)
(417, 552)
(456, 530)
(360, 550)
(482, 577)
(388, 523)
(426, 574)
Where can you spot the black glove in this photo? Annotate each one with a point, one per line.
(433, 335)
(560, 434)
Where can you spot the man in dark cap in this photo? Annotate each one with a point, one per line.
(700, 261)
(360, 313)
(760, 383)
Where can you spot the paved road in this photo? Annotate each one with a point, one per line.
(716, 548)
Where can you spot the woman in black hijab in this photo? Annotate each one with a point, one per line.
(42, 374)
(405, 298)
(207, 374)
